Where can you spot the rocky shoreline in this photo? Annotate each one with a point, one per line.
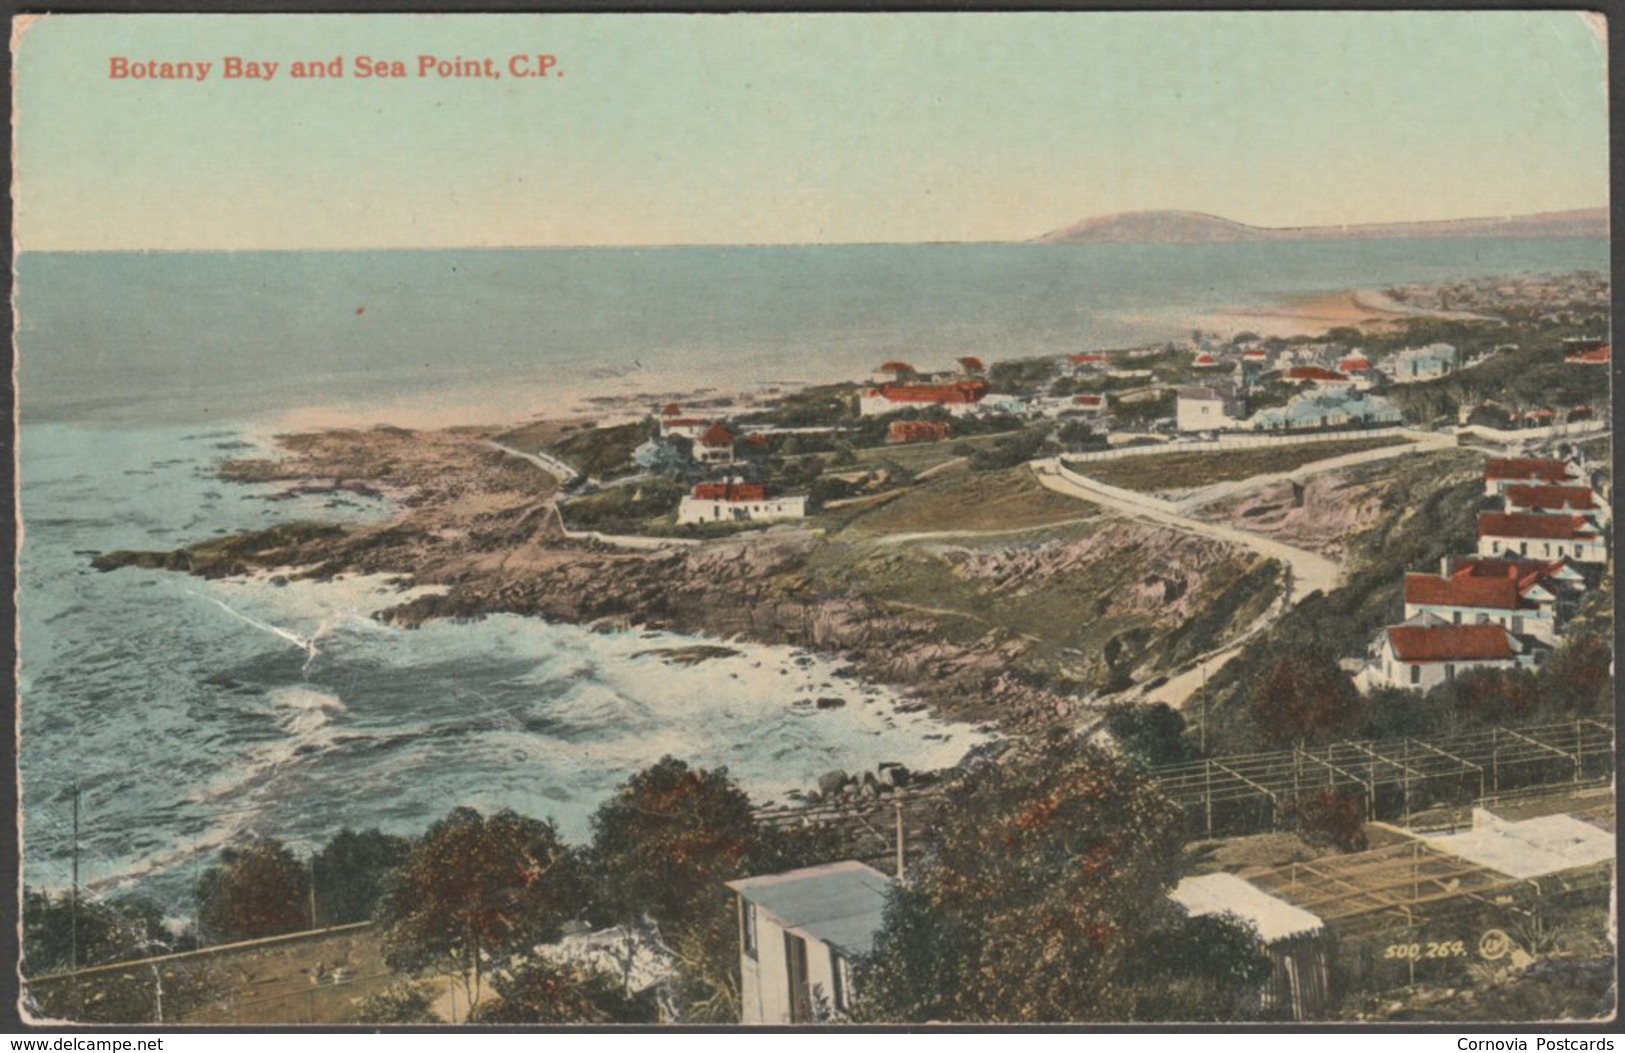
(484, 526)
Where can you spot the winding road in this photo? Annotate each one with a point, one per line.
(1307, 572)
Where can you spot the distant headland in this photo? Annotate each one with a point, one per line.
(1170, 227)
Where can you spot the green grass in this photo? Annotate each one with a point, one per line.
(1005, 500)
(1176, 471)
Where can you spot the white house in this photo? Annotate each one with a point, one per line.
(1423, 656)
(1208, 408)
(1503, 472)
(798, 934)
(737, 501)
(1421, 363)
(1555, 500)
(1483, 601)
(683, 427)
(1536, 536)
(715, 445)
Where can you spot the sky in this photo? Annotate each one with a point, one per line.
(797, 128)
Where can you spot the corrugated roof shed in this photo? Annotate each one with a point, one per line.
(842, 904)
(1275, 919)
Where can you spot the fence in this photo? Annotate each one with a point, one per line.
(316, 976)
(1257, 792)
(1244, 442)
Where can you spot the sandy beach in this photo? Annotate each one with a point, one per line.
(1314, 316)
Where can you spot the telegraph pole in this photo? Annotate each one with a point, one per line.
(1203, 733)
(73, 890)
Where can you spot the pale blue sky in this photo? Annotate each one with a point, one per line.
(801, 128)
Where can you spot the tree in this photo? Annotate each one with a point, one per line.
(475, 891)
(400, 1003)
(540, 992)
(350, 873)
(665, 843)
(1580, 678)
(662, 848)
(54, 940)
(1151, 734)
(1049, 879)
(1197, 969)
(1305, 697)
(259, 888)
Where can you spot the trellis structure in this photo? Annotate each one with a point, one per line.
(885, 832)
(1390, 779)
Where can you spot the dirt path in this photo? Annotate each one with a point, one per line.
(1307, 572)
(1422, 442)
(962, 535)
(1310, 572)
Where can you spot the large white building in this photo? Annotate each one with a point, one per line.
(1210, 407)
(736, 501)
(798, 934)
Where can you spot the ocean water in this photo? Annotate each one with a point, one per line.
(132, 338)
(191, 712)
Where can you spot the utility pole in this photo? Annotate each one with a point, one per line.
(73, 891)
(313, 890)
(1202, 735)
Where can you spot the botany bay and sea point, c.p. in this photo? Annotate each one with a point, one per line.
(192, 711)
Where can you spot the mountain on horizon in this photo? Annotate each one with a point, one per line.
(1173, 227)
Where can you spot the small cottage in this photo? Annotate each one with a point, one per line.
(1294, 939)
(799, 933)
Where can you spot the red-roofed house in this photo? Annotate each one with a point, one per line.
(958, 398)
(1482, 601)
(1090, 403)
(1541, 536)
(1559, 500)
(1355, 363)
(1553, 576)
(735, 500)
(1207, 360)
(683, 427)
(1087, 363)
(715, 445)
(1318, 375)
(1502, 472)
(1422, 657)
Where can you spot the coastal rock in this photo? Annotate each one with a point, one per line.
(833, 782)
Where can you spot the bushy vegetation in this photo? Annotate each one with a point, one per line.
(1046, 899)
(603, 452)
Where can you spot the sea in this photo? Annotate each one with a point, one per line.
(186, 713)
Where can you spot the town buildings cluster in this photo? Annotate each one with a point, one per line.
(1542, 541)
